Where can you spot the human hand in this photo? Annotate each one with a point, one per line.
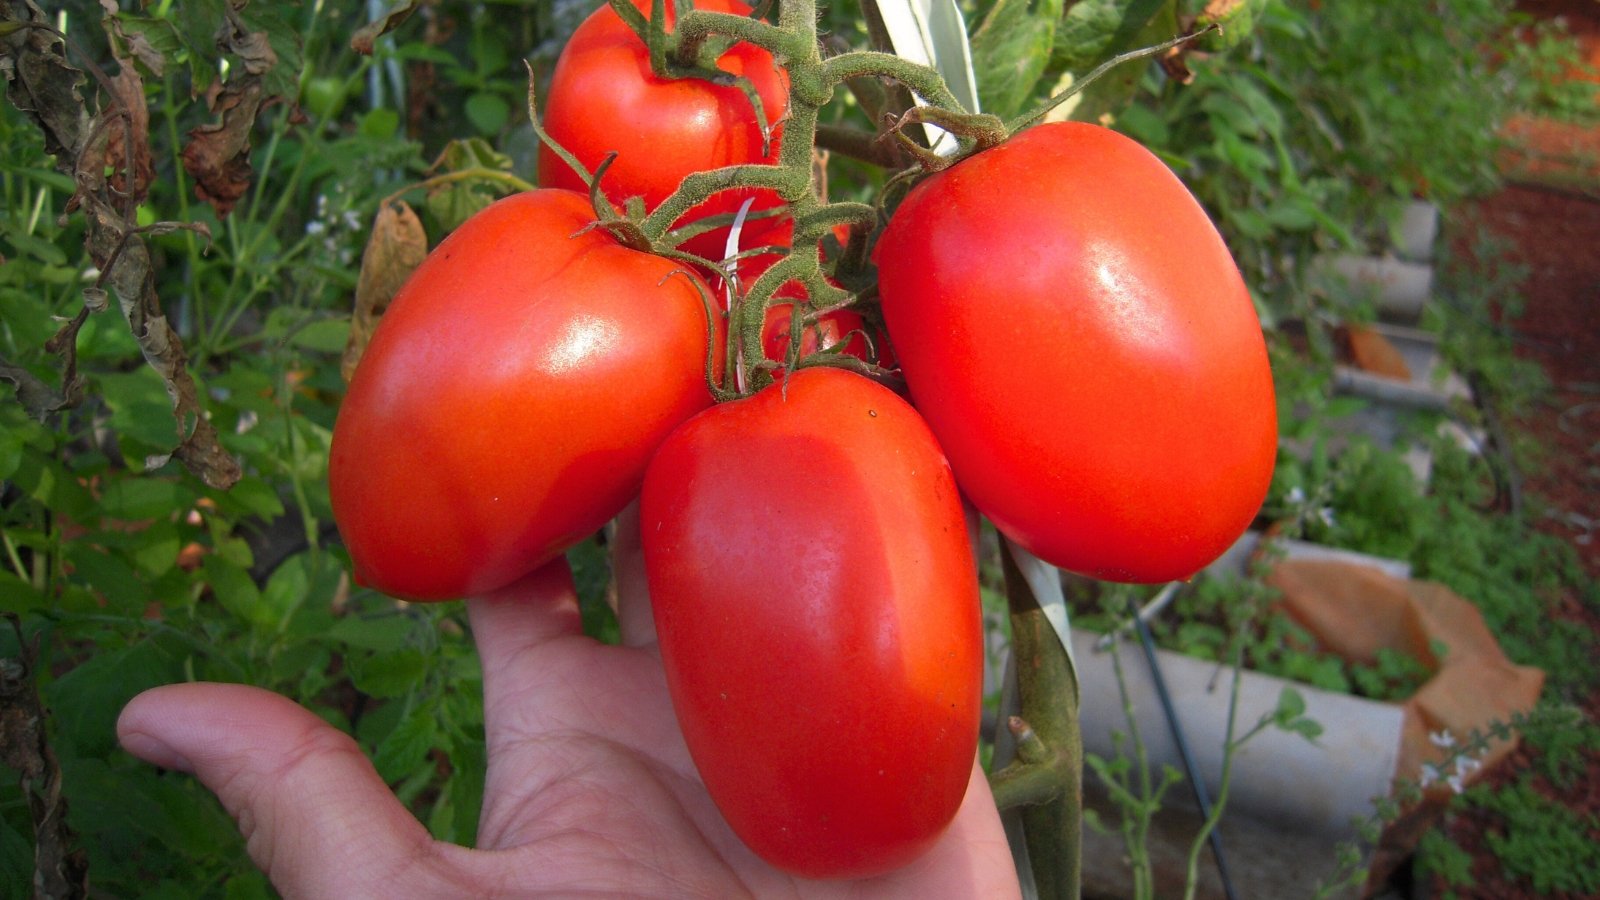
(589, 788)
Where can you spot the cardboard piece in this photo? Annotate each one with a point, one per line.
(1354, 611)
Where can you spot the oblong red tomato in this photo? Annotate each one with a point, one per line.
(510, 399)
(1079, 338)
(816, 602)
(603, 98)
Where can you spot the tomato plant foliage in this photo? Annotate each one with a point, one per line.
(1068, 345)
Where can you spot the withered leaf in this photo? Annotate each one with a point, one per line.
(37, 398)
(129, 150)
(397, 246)
(362, 41)
(217, 156)
(42, 84)
(254, 48)
(39, 82)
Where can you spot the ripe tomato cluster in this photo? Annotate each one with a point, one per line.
(1080, 360)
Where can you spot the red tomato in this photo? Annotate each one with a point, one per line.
(1079, 338)
(826, 672)
(604, 98)
(840, 326)
(510, 399)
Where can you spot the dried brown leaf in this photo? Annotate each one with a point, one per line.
(37, 398)
(217, 156)
(397, 246)
(362, 41)
(44, 86)
(253, 48)
(39, 81)
(129, 150)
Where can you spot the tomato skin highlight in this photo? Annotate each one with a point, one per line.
(603, 98)
(510, 399)
(818, 620)
(1078, 336)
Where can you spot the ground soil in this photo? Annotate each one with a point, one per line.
(1550, 213)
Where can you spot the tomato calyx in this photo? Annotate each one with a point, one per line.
(977, 131)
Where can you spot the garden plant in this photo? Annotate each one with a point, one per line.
(315, 320)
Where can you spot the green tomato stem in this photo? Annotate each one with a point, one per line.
(1051, 787)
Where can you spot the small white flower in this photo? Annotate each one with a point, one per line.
(1442, 738)
(1467, 765)
(1326, 515)
(1430, 774)
(1297, 495)
(1455, 782)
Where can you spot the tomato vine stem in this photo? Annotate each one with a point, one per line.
(1046, 779)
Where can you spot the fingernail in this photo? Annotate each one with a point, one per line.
(155, 751)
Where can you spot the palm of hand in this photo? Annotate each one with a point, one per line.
(590, 788)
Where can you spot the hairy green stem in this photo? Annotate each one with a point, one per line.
(1048, 690)
(701, 186)
(921, 80)
(696, 28)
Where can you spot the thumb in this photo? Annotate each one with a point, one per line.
(314, 813)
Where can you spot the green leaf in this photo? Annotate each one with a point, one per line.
(174, 813)
(36, 247)
(87, 699)
(135, 499)
(1310, 729)
(139, 407)
(473, 153)
(323, 335)
(469, 761)
(154, 42)
(402, 750)
(11, 443)
(1101, 31)
(283, 79)
(392, 674)
(382, 124)
(1144, 125)
(155, 551)
(16, 851)
(1093, 31)
(285, 590)
(382, 634)
(233, 589)
(488, 112)
(1237, 19)
(1291, 705)
(1010, 52)
(111, 576)
(249, 884)
(19, 596)
(252, 496)
(196, 23)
